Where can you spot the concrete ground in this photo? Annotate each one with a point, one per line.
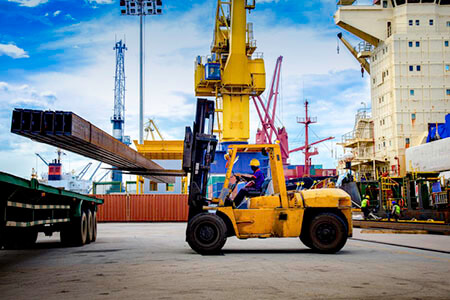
(152, 261)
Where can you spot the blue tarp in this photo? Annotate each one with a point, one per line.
(443, 130)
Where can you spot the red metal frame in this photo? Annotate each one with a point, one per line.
(267, 111)
(306, 148)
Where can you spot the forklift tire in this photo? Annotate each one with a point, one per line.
(90, 226)
(94, 226)
(328, 233)
(206, 233)
(306, 239)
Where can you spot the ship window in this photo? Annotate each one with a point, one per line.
(431, 22)
(384, 144)
(448, 92)
(411, 68)
(407, 141)
(446, 43)
(411, 92)
(410, 22)
(448, 23)
(447, 67)
(385, 3)
(410, 44)
(400, 2)
(418, 68)
(417, 22)
(417, 44)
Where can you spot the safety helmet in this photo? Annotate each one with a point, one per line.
(254, 163)
(367, 197)
(393, 202)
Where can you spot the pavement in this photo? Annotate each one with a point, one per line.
(152, 261)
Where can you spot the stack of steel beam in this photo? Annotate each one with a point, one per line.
(68, 131)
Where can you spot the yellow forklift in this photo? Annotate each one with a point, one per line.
(321, 218)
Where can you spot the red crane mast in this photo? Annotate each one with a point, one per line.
(307, 120)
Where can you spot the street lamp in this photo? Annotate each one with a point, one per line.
(141, 8)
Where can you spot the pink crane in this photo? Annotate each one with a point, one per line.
(267, 112)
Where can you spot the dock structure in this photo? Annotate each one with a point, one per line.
(407, 46)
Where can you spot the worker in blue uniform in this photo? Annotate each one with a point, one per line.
(254, 182)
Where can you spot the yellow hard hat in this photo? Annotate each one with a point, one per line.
(367, 196)
(254, 163)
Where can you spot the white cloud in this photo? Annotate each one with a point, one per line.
(56, 13)
(69, 17)
(29, 3)
(46, 15)
(13, 51)
(95, 2)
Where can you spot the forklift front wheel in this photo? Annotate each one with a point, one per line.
(327, 233)
(206, 233)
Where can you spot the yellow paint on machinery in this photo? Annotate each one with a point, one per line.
(165, 150)
(282, 213)
(239, 75)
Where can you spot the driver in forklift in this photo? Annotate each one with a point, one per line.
(254, 182)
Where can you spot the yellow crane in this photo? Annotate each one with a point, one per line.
(233, 71)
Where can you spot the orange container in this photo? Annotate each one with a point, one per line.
(114, 209)
(159, 208)
(143, 208)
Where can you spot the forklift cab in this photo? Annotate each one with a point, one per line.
(274, 182)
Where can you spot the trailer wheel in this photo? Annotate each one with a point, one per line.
(94, 227)
(79, 232)
(206, 233)
(20, 238)
(66, 235)
(90, 226)
(328, 233)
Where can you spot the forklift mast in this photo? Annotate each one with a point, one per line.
(198, 154)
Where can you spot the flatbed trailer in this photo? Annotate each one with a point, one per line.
(28, 207)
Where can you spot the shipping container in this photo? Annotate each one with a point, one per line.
(144, 208)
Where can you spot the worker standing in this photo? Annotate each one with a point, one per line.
(254, 184)
(365, 206)
(395, 211)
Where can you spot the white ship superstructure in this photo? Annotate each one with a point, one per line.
(409, 69)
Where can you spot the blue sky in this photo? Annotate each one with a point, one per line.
(57, 54)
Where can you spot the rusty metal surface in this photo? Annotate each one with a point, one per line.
(68, 131)
(144, 208)
(439, 228)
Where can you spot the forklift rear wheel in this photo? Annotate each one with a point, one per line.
(306, 239)
(206, 233)
(328, 233)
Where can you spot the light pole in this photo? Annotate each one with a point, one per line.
(141, 8)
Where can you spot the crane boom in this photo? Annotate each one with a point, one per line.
(312, 144)
(361, 60)
(230, 73)
(43, 160)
